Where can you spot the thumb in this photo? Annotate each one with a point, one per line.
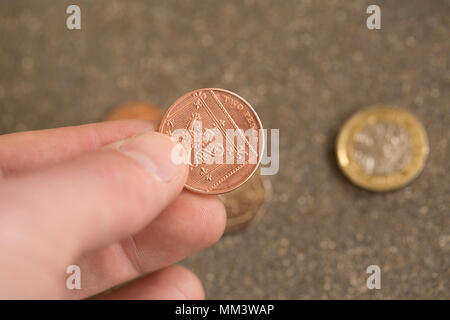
(93, 199)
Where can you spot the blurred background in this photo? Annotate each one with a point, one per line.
(305, 66)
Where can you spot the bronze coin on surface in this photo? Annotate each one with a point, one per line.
(382, 148)
(202, 121)
(136, 111)
(244, 204)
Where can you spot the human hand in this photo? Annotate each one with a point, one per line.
(105, 197)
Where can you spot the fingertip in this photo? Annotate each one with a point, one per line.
(199, 219)
(171, 283)
(189, 224)
(185, 282)
(214, 217)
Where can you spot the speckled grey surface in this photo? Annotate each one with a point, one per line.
(305, 66)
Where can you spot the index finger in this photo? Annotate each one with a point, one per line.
(29, 150)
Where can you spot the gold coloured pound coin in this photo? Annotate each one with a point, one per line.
(382, 148)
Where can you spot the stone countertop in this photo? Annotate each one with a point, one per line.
(305, 66)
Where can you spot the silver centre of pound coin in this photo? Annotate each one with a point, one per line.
(382, 148)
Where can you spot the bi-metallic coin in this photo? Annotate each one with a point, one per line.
(382, 148)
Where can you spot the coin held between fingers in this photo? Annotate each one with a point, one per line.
(203, 121)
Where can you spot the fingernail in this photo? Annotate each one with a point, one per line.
(154, 152)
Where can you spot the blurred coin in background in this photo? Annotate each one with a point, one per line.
(137, 111)
(382, 148)
(246, 202)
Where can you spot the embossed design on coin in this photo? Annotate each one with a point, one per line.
(207, 116)
(382, 148)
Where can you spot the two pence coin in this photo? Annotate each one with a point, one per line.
(221, 133)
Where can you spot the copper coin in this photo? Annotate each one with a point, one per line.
(244, 204)
(214, 124)
(137, 111)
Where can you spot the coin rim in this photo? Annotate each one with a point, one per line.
(257, 120)
(419, 148)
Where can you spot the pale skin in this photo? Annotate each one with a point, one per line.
(105, 197)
